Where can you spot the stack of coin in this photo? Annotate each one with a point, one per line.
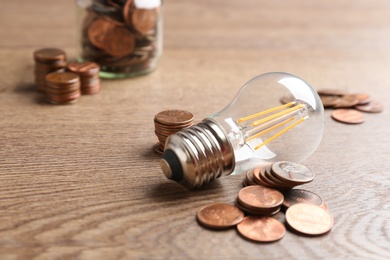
(62, 87)
(47, 60)
(169, 122)
(281, 175)
(259, 200)
(89, 76)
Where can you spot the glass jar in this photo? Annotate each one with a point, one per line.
(123, 36)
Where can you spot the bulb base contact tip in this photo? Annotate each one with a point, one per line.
(198, 155)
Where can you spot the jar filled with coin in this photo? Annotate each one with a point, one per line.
(123, 36)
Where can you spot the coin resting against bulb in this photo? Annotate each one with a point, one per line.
(252, 130)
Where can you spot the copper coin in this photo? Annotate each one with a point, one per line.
(309, 219)
(329, 101)
(62, 78)
(346, 101)
(261, 229)
(363, 98)
(249, 178)
(348, 116)
(84, 68)
(279, 182)
(158, 149)
(259, 197)
(259, 211)
(258, 180)
(292, 172)
(174, 117)
(332, 92)
(115, 40)
(49, 55)
(219, 216)
(296, 196)
(371, 107)
(144, 20)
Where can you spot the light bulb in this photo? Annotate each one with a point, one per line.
(254, 129)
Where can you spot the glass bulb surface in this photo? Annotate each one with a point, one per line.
(261, 129)
(255, 128)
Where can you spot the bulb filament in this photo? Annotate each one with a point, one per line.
(287, 113)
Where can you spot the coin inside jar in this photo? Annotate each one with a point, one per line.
(219, 216)
(112, 38)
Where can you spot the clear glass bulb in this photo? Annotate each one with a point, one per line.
(255, 128)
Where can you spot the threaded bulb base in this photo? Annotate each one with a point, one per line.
(198, 155)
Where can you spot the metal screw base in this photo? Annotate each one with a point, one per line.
(198, 155)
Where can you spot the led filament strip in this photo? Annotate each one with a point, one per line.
(287, 113)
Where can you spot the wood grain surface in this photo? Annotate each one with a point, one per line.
(81, 181)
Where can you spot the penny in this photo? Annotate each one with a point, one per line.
(296, 196)
(261, 229)
(348, 116)
(309, 219)
(363, 98)
(174, 117)
(292, 172)
(346, 101)
(257, 179)
(329, 101)
(219, 216)
(85, 68)
(259, 211)
(49, 55)
(258, 197)
(62, 78)
(115, 40)
(249, 178)
(144, 20)
(371, 107)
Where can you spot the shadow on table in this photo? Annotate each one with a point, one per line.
(170, 190)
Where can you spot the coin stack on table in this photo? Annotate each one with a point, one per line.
(47, 60)
(62, 87)
(169, 122)
(305, 212)
(89, 76)
(121, 37)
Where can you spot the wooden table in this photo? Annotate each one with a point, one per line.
(82, 180)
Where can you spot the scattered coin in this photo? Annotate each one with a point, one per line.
(346, 101)
(261, 229)
(335, 98)
(291, 172)
(296, 196)
(348, 116)
(371, 107)
(309, 219)
(219, 216)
